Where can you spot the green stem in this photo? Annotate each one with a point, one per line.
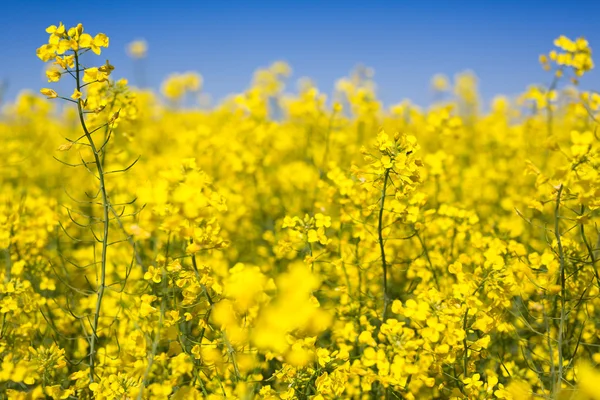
(562, 291)
(211, 303)
(465, 345)
(381, 245)
(105, 209)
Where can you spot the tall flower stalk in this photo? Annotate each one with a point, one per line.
(66, 48)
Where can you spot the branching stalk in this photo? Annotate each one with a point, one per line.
(105, 211)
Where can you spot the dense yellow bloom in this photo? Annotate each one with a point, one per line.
(341, 250)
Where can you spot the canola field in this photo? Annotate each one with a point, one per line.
(297, 246)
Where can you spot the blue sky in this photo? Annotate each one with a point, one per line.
(406, 42)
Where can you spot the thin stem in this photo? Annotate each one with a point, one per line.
(105, 209)
(157, 335)
(381, 245)
(107, 129)
(211, 303)
(591, 252)
(563, 291)
(465, 345)
(431, 267)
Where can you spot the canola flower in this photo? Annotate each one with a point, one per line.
(354, 252)
(137, 49)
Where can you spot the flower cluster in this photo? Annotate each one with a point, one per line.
(276, 247)
(572, 54)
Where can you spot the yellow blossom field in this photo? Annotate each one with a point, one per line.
(298, 246)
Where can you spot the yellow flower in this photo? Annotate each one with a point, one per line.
(473, 381)
(76, 94)
(440, 83)
(76, 31)
(154, 274)
(106, 68)
(65, 146)
(51, 94)
(137, 49)
(288, 222)
(587, 380)
(95, 74)
(66, 61)
(53, 75)
(56, 30)
(288, 394)
(46, 52)
(87, 42)
(322, 221)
